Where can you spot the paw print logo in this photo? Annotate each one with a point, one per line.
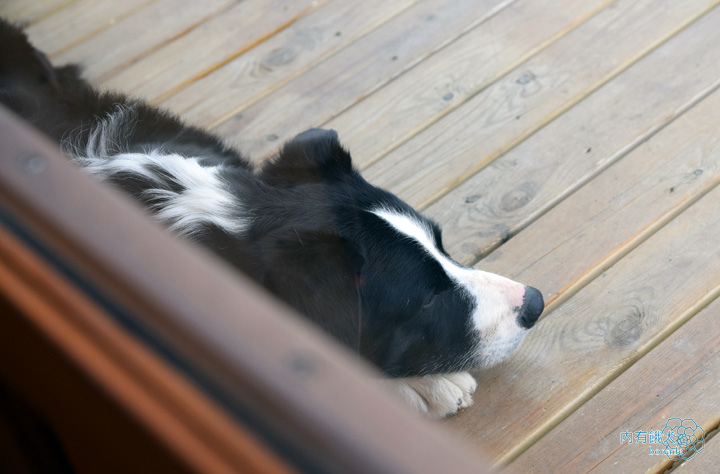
(683, 438)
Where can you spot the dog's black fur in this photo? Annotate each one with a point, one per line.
(310, 238)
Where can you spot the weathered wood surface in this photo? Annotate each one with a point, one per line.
(207, 47)
(343, 79)
(597, 333)
(447, 79)
(642, 399)
(78, 21)
(574, 146)
(453, 149)
(27, 12)
(216, 97)
(138, 34)
(567, 153)
(709, 459)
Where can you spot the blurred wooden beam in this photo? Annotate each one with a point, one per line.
(225, 377)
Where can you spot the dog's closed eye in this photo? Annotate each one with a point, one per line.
(429, 300)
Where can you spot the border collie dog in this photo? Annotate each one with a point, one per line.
(351, 257)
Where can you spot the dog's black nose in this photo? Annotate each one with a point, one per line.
(532, 307)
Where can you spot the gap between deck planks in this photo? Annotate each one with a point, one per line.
(78, 22)
(252, 76)
(710, 459)
(527, 99)
(137, 35)
(677, 379)
(553, 163)
(359, 69)
(208, 47)
(667, 98)
(27, 12)
(451, 76)
(595, 335)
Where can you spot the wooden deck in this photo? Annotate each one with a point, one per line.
(572, 145)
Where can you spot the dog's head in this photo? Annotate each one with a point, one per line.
(373, 271)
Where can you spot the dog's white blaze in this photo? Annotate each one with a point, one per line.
(497, 298)
(204, 200)
(418, 231)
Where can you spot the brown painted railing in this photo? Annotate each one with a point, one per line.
(144, 354)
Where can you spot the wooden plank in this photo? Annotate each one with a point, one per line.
(354, 72)
(710, 458)
(676, 379)
(598, 332)
(528, 98)
(162, 401)
(534, 176)
(208, 47)
(79, 21)
(314, 37)
(445, 80)
(137, 34)
(25, 11)
(584, 235)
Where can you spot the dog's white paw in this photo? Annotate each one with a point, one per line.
(436, 396)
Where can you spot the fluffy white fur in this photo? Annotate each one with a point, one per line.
(205, 198)
(436, 396)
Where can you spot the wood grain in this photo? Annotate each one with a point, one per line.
(707, 460)
(678, 378)
(253, 75)
(167, 404)
(79, 21)
(95, 433)
(340, 81)
(442, 82)
(452, 150)
(575, 351)
(583, 236)
(137, 34)
(25, 11)
(549, 166)
(208, 47)
(586, 133)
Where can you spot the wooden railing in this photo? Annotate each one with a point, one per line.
(141, 353)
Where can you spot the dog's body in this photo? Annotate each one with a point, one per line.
(353, 258)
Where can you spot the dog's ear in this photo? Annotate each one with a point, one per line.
(312, 156)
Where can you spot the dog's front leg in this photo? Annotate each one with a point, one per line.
(436, 396)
